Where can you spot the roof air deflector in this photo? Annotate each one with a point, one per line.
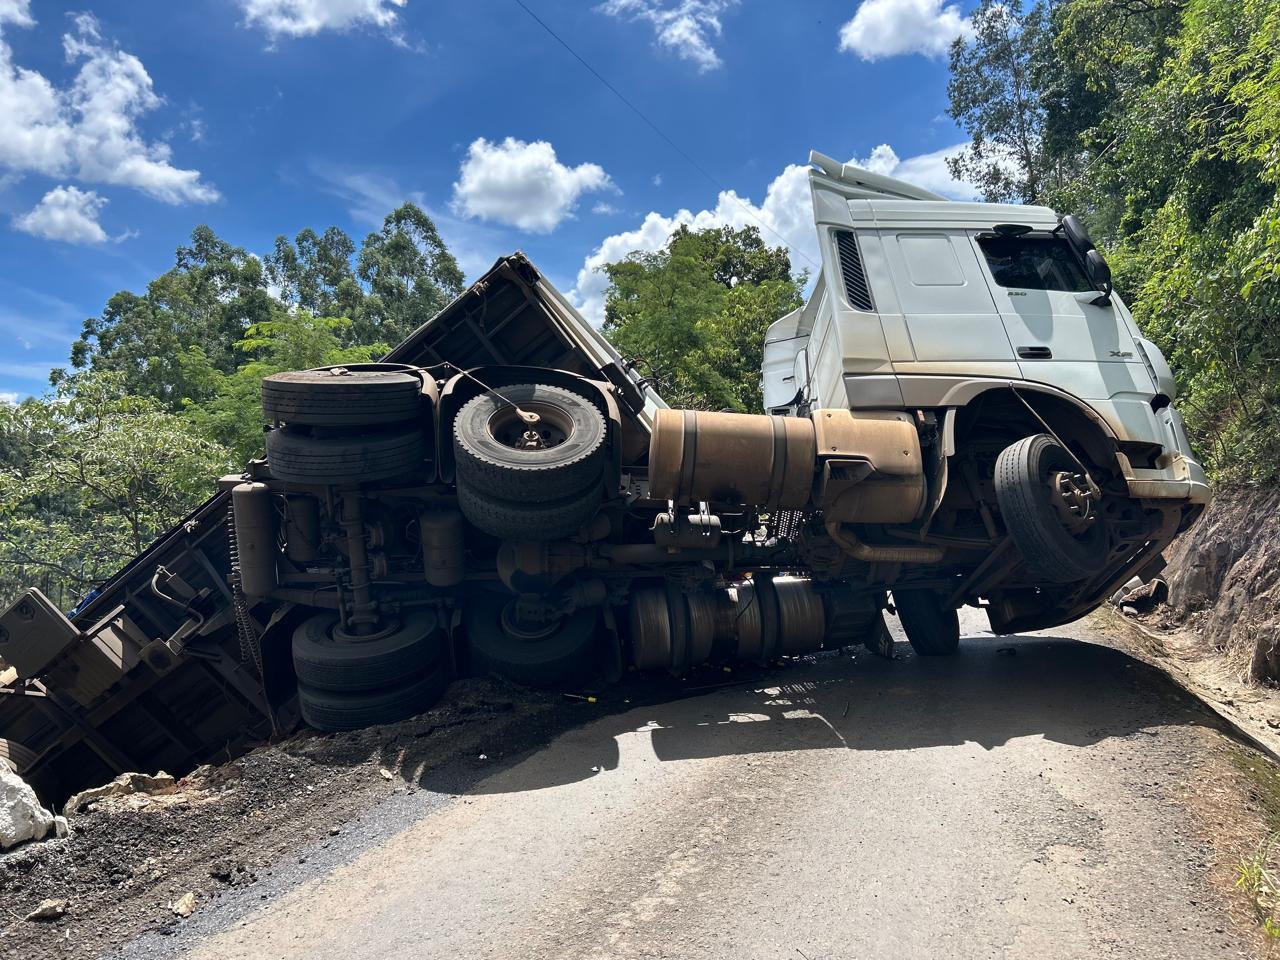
(865, 184)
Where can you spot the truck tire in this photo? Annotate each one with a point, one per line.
(15, 756)
(560, 658)
(1025, 496)
(932, 629)
(352, 665)
(299, 458)
(489, 461)
(332, 711)
(341, 397)
(518, 520)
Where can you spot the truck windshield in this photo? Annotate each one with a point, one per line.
(1033, 263)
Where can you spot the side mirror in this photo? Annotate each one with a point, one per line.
(1099, 272)
(1099, 275)
(1077, 235)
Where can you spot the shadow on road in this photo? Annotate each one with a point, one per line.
(995, 690)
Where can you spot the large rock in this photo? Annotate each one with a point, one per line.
(21, 816)
(157, 784)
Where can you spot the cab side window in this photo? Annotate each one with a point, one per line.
(1033, 263)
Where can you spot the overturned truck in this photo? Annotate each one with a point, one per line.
(962, 413)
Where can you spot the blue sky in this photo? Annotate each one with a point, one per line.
(124, 125)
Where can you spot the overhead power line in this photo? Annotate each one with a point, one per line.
(659, 131)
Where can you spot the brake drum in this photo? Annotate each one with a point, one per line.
(748, 621)
(650, 628)
(801, 617)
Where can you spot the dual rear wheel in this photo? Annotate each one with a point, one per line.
(344, 425)
(347, 681)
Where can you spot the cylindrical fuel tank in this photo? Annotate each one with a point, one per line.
(301, 528)
(732, 458)
(255, 523)
(442, 546)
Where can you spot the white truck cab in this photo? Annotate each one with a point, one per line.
(926, 304)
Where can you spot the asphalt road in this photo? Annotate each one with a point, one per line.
(987, 805)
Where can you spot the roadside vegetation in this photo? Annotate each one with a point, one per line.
(1258, 873)
(1158, 121)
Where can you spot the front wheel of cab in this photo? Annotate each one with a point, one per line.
(1051, 516)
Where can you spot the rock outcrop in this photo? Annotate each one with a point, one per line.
(1224, 581)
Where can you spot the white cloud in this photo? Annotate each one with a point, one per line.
(605, 209)
(657, 179)
(88, 130)
(686, 27)
(8, 398)
(888, 28)
(66, 214)
(305, 18)
(928, 170)
(16, 11)
(786, 214)
(522, 184)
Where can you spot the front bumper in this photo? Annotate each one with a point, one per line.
(1179, 475)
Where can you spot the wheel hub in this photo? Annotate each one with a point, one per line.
(1073, 498)
(529, 622)
(531, 426)
(342, 635)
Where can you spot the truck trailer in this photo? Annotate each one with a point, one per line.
(962, 413)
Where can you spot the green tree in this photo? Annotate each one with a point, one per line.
(694, 314)
(313, 271)
(213, 293)
(996, 99)
(409, 275)
(101, 474)
(205, 305)
(294, 340)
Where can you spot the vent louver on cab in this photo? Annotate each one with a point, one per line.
(855, 278)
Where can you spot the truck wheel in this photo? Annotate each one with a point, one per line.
(324, 661)
(1025, 492)
(499, 455)
(341, 397)
(555, 655)
(300, 458)
(15, 756)
(932, 628)
(331, 710)
(518, 520)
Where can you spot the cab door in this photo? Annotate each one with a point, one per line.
(950, 319)
(1057, 332)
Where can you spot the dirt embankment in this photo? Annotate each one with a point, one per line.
(1224, 583)
(131, 860)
